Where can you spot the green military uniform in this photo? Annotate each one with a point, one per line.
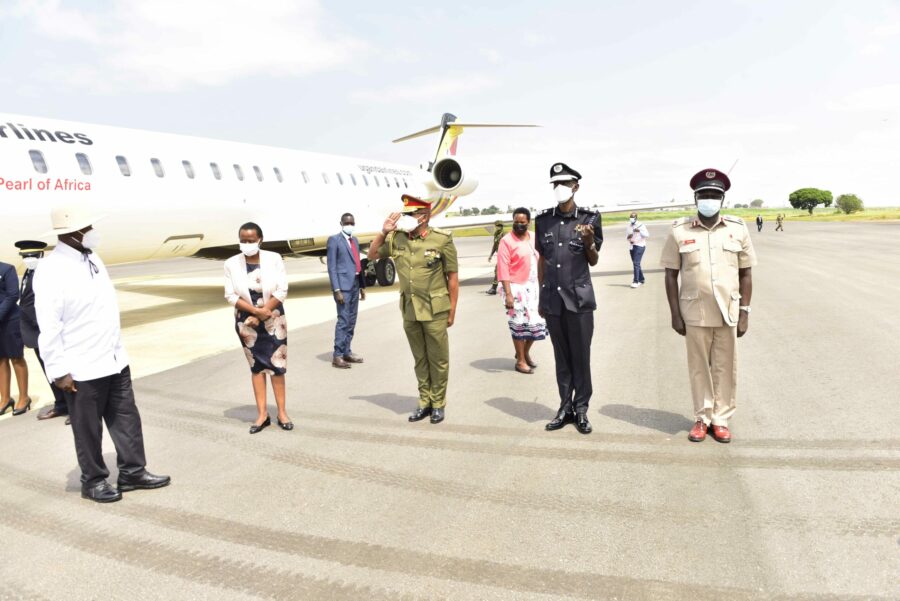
(423, 263)
(498, 235)
(780, 221)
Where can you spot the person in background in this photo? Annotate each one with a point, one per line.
(498, 234)
(636, 233)
(348, 285)
(256, 285)
(32, 251)
(779, 223)
(517, 262)
(11, 348)
(759, 222)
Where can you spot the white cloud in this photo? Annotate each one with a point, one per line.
(877, 98)
(432, 89)
(168, 45)
(492, 55)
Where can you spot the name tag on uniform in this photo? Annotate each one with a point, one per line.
(683, 242)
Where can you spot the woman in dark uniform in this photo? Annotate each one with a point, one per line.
(256, 284)
(12, 350)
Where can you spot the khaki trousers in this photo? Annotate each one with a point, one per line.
(712, 367)
(430, 347)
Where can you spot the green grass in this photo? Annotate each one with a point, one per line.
(748, 215)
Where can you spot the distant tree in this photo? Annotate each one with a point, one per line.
(738, 205)
(466, 212)
(476, 211)
(757, 203)
(808, 198)
(491, 210)
(849, 203)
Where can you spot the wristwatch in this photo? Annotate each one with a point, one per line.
(745, 308)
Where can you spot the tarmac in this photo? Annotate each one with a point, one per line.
(357, 503)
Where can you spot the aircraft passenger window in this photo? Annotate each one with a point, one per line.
(157, 167)
(278, 174)
(305, 177)
(37, 159)
(258, 173)
(366, 180)
(188, 169)
(325, 177)
(217, 173)
(84, 163)
(377, 183)
(353, 179)
(239, 172)
(340, 179)
(123, 166)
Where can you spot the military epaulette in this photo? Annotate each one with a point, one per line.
(447, 233)
(681, 221)
(586, 211)
(545, 212)
(733, 219)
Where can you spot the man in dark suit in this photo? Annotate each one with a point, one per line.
(31, 252)
(348, 284)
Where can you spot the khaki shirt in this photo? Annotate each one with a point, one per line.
(422, 263)
(709, 260)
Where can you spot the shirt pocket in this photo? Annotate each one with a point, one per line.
(689, 302)
(690, 256)
(734, 307)
(440, 302)
(731, 251)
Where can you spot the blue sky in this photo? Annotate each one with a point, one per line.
(637, 96)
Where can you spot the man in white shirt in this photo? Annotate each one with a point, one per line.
(637, 235)
(81, 344)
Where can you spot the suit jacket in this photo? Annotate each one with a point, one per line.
(27, 315)
(341, 266)
(272, 275)
(9, 293)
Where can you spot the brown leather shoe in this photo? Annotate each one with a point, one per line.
(340, 363)
(720, 433)
(49, 413)
(698, 432)
(351, 358)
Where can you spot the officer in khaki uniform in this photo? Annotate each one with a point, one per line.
(498, 236)
(425, 258)
(711, 308)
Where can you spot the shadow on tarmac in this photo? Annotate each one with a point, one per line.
(526, 411)
(662, 421)
(494, 365)
(390, 401)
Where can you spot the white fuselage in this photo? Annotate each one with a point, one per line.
(148, 216)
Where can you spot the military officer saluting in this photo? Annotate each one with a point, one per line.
(425, 258)
(711, 308)
(568, 239)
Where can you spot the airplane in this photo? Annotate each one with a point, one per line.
(164, 195)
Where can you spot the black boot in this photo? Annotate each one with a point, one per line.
(582, 424)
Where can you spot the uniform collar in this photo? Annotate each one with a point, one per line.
(561, 214)
(422, 236)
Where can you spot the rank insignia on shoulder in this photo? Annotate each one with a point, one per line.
(442, 231)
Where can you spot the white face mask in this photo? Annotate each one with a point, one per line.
(30, 262)
(633, 220)
(562, 193)
(709, 206)
(407, 223)
(348, 229)
(250, 249)
(91, 240)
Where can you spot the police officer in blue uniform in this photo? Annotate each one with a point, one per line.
(568, 240)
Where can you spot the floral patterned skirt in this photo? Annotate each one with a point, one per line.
(265, 344)
(525, 323)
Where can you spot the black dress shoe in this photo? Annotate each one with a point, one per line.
(102, 492)
(254, 428)
(49, 413)
(437, 415)
(144, 480)
(284, 425)
(562, 418)
(23, 409)
(420, 414)
(582, 424)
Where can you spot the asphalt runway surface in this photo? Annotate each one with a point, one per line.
(357, 503)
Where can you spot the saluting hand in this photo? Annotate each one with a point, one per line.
(390, 224)
(66, 383)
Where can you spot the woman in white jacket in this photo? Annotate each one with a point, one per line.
(256, 285)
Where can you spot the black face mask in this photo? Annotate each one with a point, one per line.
(520, 228)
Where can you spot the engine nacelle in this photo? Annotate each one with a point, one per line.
(448, 175)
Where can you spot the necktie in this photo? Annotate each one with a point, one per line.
(355, 255)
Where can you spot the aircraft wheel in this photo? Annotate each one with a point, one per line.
(385, 272)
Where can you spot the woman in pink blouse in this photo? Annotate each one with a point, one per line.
(517, 263)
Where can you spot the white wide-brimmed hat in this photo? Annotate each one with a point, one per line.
(71, 218)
